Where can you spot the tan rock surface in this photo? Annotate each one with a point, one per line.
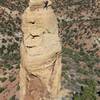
(40, 71)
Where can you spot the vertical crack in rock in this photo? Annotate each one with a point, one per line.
(35, 88)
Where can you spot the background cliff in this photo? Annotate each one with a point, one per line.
(79, 29)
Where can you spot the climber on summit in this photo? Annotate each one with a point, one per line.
(46, 4)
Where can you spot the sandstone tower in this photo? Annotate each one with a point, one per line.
(40, 69)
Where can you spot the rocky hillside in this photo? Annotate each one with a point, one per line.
(79, 29)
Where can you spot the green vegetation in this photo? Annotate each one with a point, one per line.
(2, 1)
(12, 78)
(90, 60)
(84, 71)
(8, 66)
(18, 87)
(88, 92)
(17, 66)
(13, 97)
(3, 79)
(9, 50)
(97, 71)
(15, 4)
(2, 89)
(2, 50)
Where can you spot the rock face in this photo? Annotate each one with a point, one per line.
(40, 70)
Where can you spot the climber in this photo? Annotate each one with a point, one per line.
(46, 4)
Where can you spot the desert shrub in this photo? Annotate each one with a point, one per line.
(90, 60)
(13, 97)
(97, 71)
(3, 79)
(67, 51)
(2, 1)
(2, 50)
(12, 78)
(18, 87)
(8, 66)
(74, 55)
(19, 5)
(2, 89)
(83, 71)
(88, 92)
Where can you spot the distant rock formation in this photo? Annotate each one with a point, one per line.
(40, 70)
